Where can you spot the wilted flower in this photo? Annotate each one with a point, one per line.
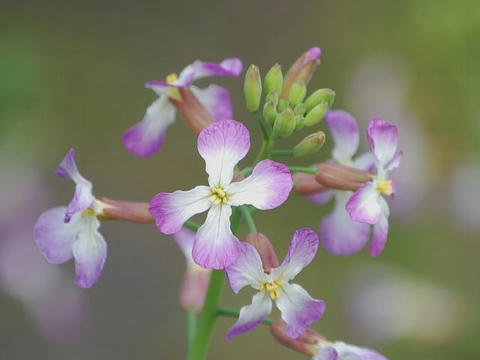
(222, 145)
(65, 232)
(299, 310)
(199, 107)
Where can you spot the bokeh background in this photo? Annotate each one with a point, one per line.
(72, 74)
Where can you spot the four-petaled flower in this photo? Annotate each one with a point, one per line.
(222, 145)
(147, 137)
(339, 350)
(299, 310)
(367, 204)
(65, 232)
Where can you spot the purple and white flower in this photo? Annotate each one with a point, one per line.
(222, 145)
(339, 234)
(147, 137)
(65, 232)
(298, 309)
(339, 350)
(367, 204)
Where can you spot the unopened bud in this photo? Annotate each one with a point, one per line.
(282, 104)
(252, 88)
(299, 109)
(274, 80)
(319, 96)
(265, 250)
(284, 124)
(302, 69)
(304, 344)
(273, 97)
(340, 177)
(194, 288)
(136, 212)
(299, 122)
(270, 112)
(310, 144)
(305, 184)
(195, 115)
(297, 93)
(316, 115)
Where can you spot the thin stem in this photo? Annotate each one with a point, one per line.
(266, 149)
(261, 124)
(303, 169)
(232, 313)
(286, 152)
(192, 225)
(248, 219)
(247, 171)
(191, 324)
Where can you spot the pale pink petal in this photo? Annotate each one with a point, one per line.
(363, 205)
(379, 236)
(395, 161)
(321, 197)
(383, 139)
(184, 239)
(366, 162)
(222, 145)
(216, 100)
(344, 131)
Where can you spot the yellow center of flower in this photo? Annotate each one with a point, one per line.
(384, 187)
(272, 288)
(173, 92)
(88, 212)
(219, 196)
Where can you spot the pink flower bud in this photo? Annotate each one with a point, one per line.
(304, 344)
(194, 288)
(265, 250)
(136, 212)
(305, 184)
(340, 177)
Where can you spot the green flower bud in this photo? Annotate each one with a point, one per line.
(270, 112)
(273, 97)
(274, 80)
(284, 124)
(321, 95)
(310, 144)
(297, 93)
(299, 122)
(316, 115)
(299, 109)
(282, 105)
(252, 88)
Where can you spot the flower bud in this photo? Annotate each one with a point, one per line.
(136, 212)
(297, 93)
(274, 80)
(305, 184)
(299, 122)
(284, 124)
(299, 109)
(252, 88)
(316, 114)
(302, 69)
(273, 97)
(336, 176)
(282, 104)
(319, 96)
(310, 144)
(265, 250)
(270, 112)
(194, 288)
(195, 115)
(304, 344)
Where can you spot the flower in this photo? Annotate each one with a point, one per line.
(65, 232)
(299, 310)
(339, 234)
(367, 204)
(339, 350)
(222, 145)
(147, 137)
(196, 279)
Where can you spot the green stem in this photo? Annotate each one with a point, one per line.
(227, 312)
(192, 225)
(191, 324)
(261, 124)
(247, 171)
(206, 319)
(266, 149)
(248, 219)
(302, 169)
(286, 152)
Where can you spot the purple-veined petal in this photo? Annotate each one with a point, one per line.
(83, 197)
(171, 210)
(321, 197)
(379, 236)
(302, 250)
(215, 246)
(90, 252)
(326, 352)
(395, 161)
(383, 139)
(366, 162)
(54, 237)
(251, 315)
(222, 145)
(299, 310)
(339, 235)
(246, 270)
(266, 188)
(344, 130)
(147, 137)
(363, 206)
(216, 100)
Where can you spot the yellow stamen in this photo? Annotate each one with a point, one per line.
(88, 211)
(384, 187)
(272, 288)
(173, 92)
(218, 196)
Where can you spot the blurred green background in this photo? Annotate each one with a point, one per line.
(72, 75)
